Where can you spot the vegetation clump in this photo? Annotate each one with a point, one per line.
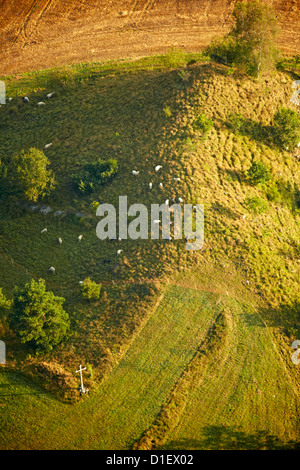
(26, 175)
(286, 127)
(95, 175)
(38, 316)
(90, 290)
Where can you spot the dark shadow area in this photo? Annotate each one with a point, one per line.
(230, 213)
(239, 124)
(227, 438)
(285, 317)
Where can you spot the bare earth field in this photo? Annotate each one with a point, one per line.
(38, 34)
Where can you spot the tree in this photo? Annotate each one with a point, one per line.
(27, 175)
(286, 127)
(251, 41)
(38, 316)
(90, 290)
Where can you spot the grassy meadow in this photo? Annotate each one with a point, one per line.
(142, 340)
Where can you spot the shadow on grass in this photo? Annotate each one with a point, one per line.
(228, 438)
(239, 124)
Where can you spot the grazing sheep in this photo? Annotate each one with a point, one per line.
(80, 282)
(119, 252)
(80, 238)
(60, 241)
(180, 199)
(161, 185)
(176, 179)
(40, 103)
(48, 145)
(44, 230)
(52, 269)
(150, 185)
(158, 167)
(50, 94)
(167, 202)
(135, 173)
(26, 99)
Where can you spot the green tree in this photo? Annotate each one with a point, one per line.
(251, 41)
(38, 316)
(27, 175)
(286, 128)
(90, 290)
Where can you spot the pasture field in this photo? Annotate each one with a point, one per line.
(143, 340)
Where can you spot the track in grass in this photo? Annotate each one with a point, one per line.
(127, 402)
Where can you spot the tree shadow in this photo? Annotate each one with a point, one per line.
(285, 317)
(239, 124)
(228, 212)
(229, 438)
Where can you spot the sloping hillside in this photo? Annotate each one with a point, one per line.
(36, 34)
(143, 113)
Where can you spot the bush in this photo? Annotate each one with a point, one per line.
(203, 124)
(286, 128)
(90, 290)
(38, 316)
(259, 173)
(256, 205)
(251, 41)
(94, 175)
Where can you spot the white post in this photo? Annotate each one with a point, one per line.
(82, 389)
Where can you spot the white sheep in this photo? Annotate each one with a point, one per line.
(52, 269)
(158, 167)
(176, 179)
(119, 252)
(150, 185)
(40, 103)
(26, 99)
(50, 94)
(48, 145)
(44, 230)
(180, 199)
(80, 238)
(161, 185)
(167, 202)
(135, 173)
(60, 241)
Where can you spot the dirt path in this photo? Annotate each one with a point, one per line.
(45, 33)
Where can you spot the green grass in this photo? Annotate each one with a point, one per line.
(131, 395)
(245, 398)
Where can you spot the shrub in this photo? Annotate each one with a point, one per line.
(203, 124)
(256, 205)
(94, 175)
(259, 173)
(286, 128)
(90, 290)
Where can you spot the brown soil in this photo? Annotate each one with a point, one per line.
(37, 34)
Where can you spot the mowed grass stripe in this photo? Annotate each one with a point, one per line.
(245, 399)
(129, 399)
(134, 392)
